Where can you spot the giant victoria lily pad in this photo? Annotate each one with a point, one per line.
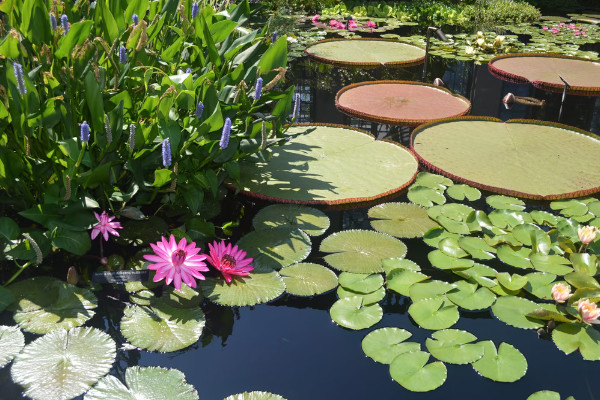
(405, 103)
(508, 158)
(545, 70)
(329, 165)
(365, 52)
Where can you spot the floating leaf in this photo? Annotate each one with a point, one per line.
(361, 251)
(433, 181)
(312, 221)
(569, 208)
(256, 395)
(161, 327)
(277, 247)
(450, 247)
(308, 279)
(540, 284)
(11, 343)
(6, 298)
(507, 364)
(477, 248)
(401, 280)
(531, 235)
(412, 372)
(467, 296)
(433, 236)
(505, 203)
(187, 297)
(454, 346)
(509, 219)
(443, 261)
(578, 336)
(462, 192)
(426, 290)
(478, 220)
(543, 217)
(544, 395)
(367, 298)
(425, 196)
(513, 311)
(584, 263)
(352, 313)
(261, 286)
(144, 383)
(44, 304)
(516, 256)
(362, 283)
(403, 220)
(479, 273)
(582, 280)
(384, 344)
(435, 313)
(511, 282)
(46, 367)
(554, 264)
(390, 264)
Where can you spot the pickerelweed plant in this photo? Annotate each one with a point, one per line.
(118, 105)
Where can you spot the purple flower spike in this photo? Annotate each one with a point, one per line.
(85, 132)
(53, 21)
(166, 152)
(135, 19)
(122, 54)
(64, 21)
(226, 134)
(258, 90)
(274, 37)
(195, 8)
(19, 77)
(188, 70)
(199, 109)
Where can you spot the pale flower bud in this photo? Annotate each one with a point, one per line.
(561, 292)
(589, 312)
(587, 234)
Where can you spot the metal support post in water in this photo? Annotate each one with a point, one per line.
(564, 96)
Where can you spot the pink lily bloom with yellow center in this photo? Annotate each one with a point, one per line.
(229, 260)
(316, 18)
(587, 234)
(561, 292)
(105, 226)
(589, 312)
(177, 262)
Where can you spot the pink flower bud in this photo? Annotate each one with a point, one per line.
(561, 292)
(589, 312)
(587, 234)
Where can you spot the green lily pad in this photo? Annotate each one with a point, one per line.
(505, 203)
(352, 313)
(144, 383)
(412, 372)
(261, 286)
(44, 304)
(554, 264)
(443, 261)
(543, 217)
(511, 282)
(187, 297)
(401, 280)
(451, 248)
(361, 251)
(425, 196)
(45, 367)
(507, 364)
(513, 311)
(578, 336)
(467, 296)
(277, 247)
(478, 220)
(384, 344)
(531, 235)
(479, 273)
(308, 279)
(452, 225)
(433, 181)
(429, 289)
(367, 298)
(256, 395)
(312, 221)
(6, 298)
(582, 280)
(477, 248)
(546, 395)
(569, 208)
(144, 297)
(454, 346)
(403, 220)
(594, 207)
(461, 192)
(540, 284)
(584, 263)
(435, 313)
(12, 342)
(433, 236)
(509, 219)
(161, 327)
(390, 264)
(362, 283)
(515, 256)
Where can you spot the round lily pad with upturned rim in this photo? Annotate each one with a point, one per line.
(405, 103)
(328, 165)
(353, 313)
(454, 346)
(506, 364)
(505, 157)
(256, 395)
(403, 220)
(308, 279)
(311, 220)
(361, 251)
(276, 247)
(412, 372)
(384, 344)
(144, 383)
(435, 313)
(365, 52)
(63, 364)
(11, 343)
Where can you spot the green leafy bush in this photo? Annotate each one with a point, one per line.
(487, 13)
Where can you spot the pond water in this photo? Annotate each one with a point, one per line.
(291, 346)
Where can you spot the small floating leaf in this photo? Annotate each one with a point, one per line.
(462, 192)
(435, 235)
(509, 219)
(367, 298)
(425, 196)
(311, 220)
(352, 313)
(554, 264)
(435, 313)
(433, 181)
(511, 282)
(469, 297)
(507, 364)
(516, 256)
(544, 395)
(500, 202)
(277, 247)
(543, 217)
(362, 283)
(429, 289)
(384, 344)
(454, 346)
(513, 311)
(390, 264)
(401, 280)
(570, 208)
(477, 248)
(11, 343)
(412, 372)
(578, 336)
(308, 279)
(403, 220)
(451, 248)
(441, 260)
(540, 284)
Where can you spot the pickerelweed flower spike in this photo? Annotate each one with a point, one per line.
(107, 128)
(132, 137)
(258, 90)
(53, 21)
(122, 54)
(135, 19)
(226, 133)
(274, 37)
(195, 8)
(64, 21)
(85, 132)
(166, 152)
(19, 77)
(199, 109)
(188, 70)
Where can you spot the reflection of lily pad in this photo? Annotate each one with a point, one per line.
(384, 344)
(11, 343)
(577, 336)
(412, 371)
(507, 364)
(352, 313)
(312, 221)
(45, 367)
(404, 220)
(44, 304)
(454, 346)
(277, 247)
(308, 279)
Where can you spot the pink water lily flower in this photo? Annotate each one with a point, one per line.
(587, 234)
(316, 18)
(333, 23)
(589, 312)
(561, 292)
(371, 24)
(229, 260)
(177, 262)
(105, 226)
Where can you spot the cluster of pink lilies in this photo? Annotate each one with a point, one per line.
(567, 28)
(352, 25)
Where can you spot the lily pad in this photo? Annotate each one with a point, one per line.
(352, 313)
(469, 297)
(433, 181)
(554, 264)
(256, 395)
(435, 313)
(507, 219)
(312, 221)
(463, 192)
(546, 395)
(261, 286)
(543, 217)
(144, 383)
(540, 284)
(570, 208)
(507, 364)
(390, 264)
(425, 196)
(401, 280)
(443, 261)
(367, 298)
(277, 247)
(513, 311)
(44, 304)
(161, 327)
(430, 289)
(479, 273)
(505, 203)
(511, 282)
(578, 336)
(515, 256)
(454, 346)
(63, 364)
(361, 251)
(362, 283)
(433, 236)
(308, 279)
(477, 248)
(11, 343)
(6, 298)
(403, 220)
(384, 344)
(412, 372)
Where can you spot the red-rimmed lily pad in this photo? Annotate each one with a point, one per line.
(405, 103)
(508, 158)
